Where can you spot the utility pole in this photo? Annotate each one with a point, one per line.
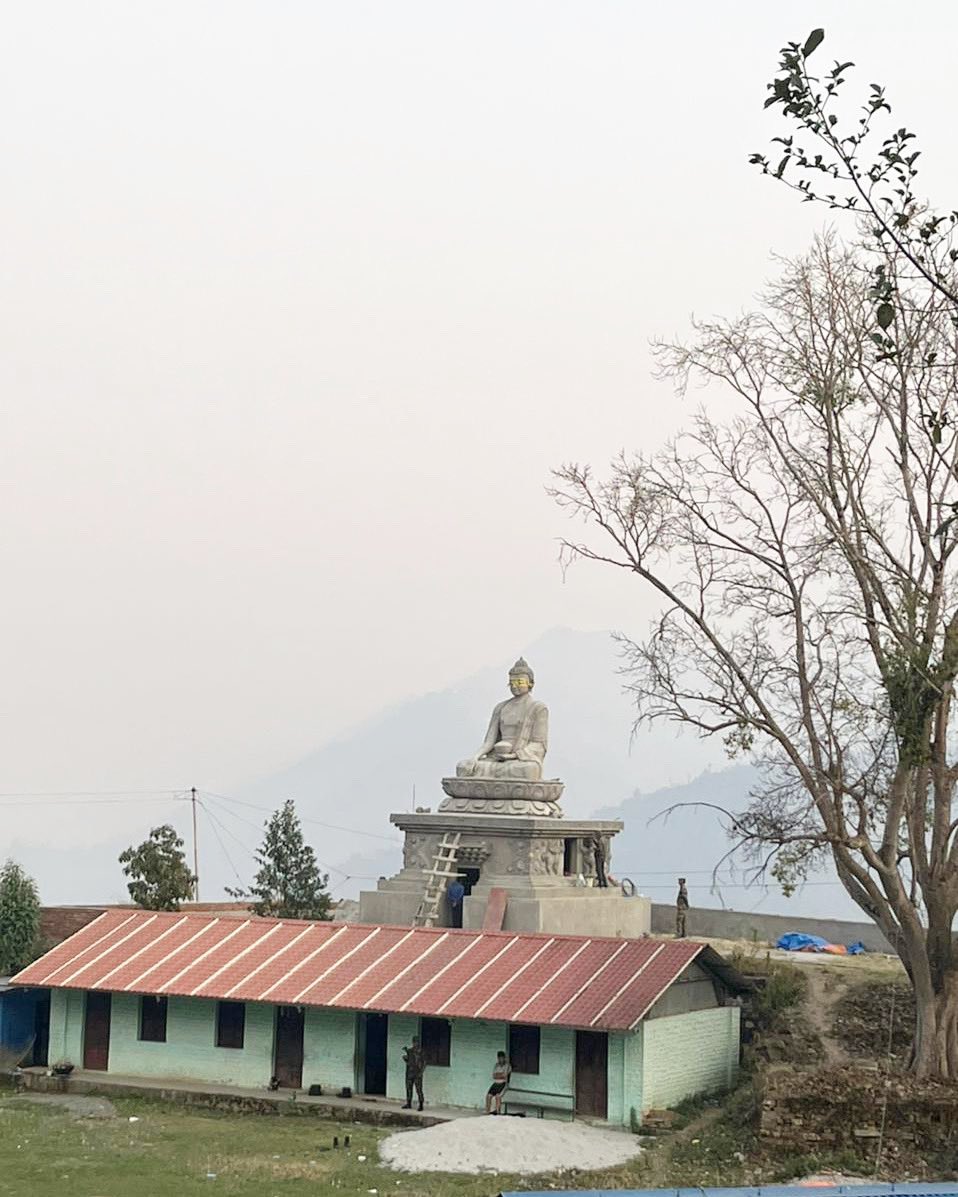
(196, 851)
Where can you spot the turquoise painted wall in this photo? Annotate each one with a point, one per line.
(556, 1063)
(66, 1025)
(401, 1029)
(667, 1060)
(472, 1054)
(633, 1065)
(190, 1051)
(616, 1080)
(329, 1049)
(688, 1054)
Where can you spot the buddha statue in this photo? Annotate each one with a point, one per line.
(516, 742)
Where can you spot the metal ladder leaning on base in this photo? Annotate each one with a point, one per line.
(442, 872)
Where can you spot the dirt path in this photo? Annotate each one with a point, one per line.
(659, 1159)
(823, 991)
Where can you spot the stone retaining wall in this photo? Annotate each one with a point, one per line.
(835, 1109)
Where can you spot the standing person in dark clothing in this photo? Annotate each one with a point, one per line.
(598, 852)
(681, 910)
(415, 1067)
(455, 893)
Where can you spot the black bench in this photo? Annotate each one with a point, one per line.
(539, 1099)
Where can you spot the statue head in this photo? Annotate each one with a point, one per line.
(521, 678)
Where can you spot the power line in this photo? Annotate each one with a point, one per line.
(390, 839)
(39, 801)
(246, 822)
(84, 793)
(219, 840)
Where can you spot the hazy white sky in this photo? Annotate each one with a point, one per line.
(301, 302)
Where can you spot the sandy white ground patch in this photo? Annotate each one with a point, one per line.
(490, 1144)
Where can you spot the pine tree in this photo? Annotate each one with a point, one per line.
(19, 919)
(288, 884)
(161, 877)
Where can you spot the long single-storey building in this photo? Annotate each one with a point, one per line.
(594, 1026)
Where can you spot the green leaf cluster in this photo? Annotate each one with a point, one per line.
(160, 877)
(288, 883)
(19, 919)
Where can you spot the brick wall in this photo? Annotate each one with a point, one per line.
(190, 1051)
(472, 1055)
(66, 1026)
(329, 1049)
(669, 1059)
(618, 1110)
(688, 1054)
(556, 1063)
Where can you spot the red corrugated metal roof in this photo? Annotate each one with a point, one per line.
(568, 980)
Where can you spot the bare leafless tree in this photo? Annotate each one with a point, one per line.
(804, 554)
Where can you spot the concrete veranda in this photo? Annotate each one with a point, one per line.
(379, 1111)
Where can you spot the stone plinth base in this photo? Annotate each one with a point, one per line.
(487, 796)
(538, 861)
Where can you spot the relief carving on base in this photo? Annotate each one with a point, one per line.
(545, 856)
(418, 851)
(519, 857)
(473, 854)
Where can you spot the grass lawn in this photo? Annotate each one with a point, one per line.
(168, 1152)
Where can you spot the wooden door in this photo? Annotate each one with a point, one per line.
(96, 1031)
(288, 1059)
(591, 1073)
(376, 1031)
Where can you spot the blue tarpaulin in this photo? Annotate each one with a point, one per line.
(798, 941)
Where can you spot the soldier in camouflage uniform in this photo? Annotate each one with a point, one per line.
(681, 910)
(415, 1067)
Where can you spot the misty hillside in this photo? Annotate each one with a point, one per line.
(659, 844)
(358, 780)
(346, 790)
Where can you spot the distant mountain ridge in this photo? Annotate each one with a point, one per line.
(395, 761)
(346, 790)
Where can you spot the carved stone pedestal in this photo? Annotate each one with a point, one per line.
(536, 859)
(486, 796)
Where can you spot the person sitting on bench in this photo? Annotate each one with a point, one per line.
(500, 1079)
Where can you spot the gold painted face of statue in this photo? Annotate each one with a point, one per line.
(519, 684)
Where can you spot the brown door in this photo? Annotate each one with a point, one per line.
(591, 1073)
(96, 1032)
(288, 1067)
(376, 1039)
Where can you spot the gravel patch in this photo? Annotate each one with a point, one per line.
(76, 1104)
(511, 1145)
